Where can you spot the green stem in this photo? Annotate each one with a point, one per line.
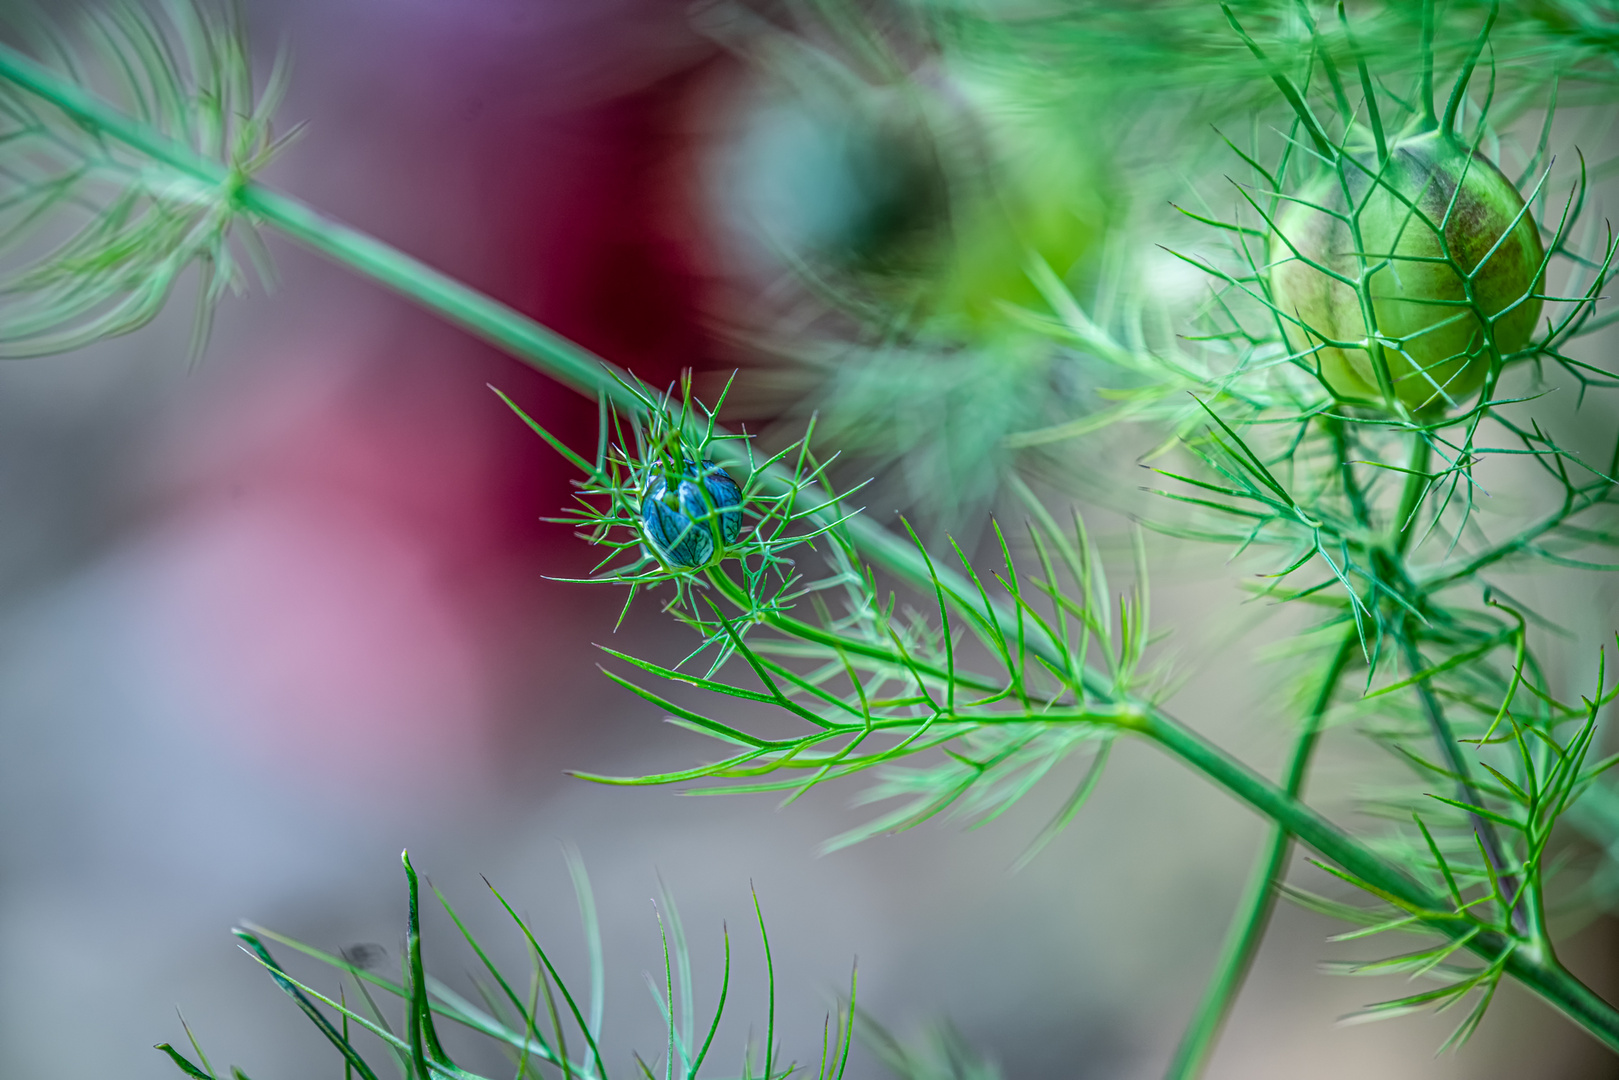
(1301, 108)
(1259, 897)
(1416, 486)
(534, 344)
(1429, 120)
(1541, 974)
(1374, 115)
(1456, 762)
(504, 327)
(1328, 67)
(792, 627)
(1253, 914)
(1447, 126)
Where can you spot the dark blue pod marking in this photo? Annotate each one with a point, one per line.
(726, 497)
(668, 521)
(684, 525)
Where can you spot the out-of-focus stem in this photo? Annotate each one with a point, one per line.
(1259, 897)
(1253, 913)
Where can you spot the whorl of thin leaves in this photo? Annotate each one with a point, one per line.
(1278, 464)
(1540, 747)
(1458, 440)
(877, 686)
(776, 528)
(185, 75)
(532, 1018)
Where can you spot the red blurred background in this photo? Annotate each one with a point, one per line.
(346, 522)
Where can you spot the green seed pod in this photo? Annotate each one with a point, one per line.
(1435, 210)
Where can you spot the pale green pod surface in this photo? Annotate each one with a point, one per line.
(1434, 209)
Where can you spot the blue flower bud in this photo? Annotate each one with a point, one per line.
(726, 496)
(703, 514)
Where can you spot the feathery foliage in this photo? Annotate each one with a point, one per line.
(532, 1024)
(184, 78)
(609, 507)
(1337, 413)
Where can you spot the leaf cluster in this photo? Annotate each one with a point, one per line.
(1368, 509)
(182, 78)
(1498, 892)
(873, 684)
(632, 453)
(532, 1024)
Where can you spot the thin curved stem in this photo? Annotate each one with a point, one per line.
(1374, 115)
(1252, 919)
(1416, 481)
(1540, 973)
(1456, 762)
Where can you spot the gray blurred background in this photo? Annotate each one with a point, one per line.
(268, 621)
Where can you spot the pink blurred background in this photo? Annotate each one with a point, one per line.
(267, 622)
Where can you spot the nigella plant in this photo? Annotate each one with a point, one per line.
(1399, 285)
(668, 514)
(142, 223)
(533, 1029)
